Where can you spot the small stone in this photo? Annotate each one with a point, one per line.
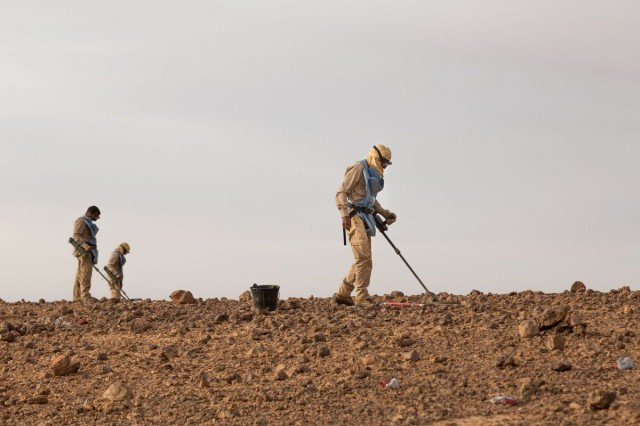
(140, 325)
(323, 351)
(41, 399)
(411, 356)
(220, 318)
(87, 405)
(555, 343)
(362, 374)
(319, 337)
(561, 366)
(169, 353)
(182, 297)
(61, 365)
(528, 388)
(203, 380)
(405, 342)
(528, 328)
(280, 373)
(118, 392)
(101, 356)
(233, 377)
(439, 359)
(370, 359)
(506, 361)
(552, 316)
(256, 351)
(578, 287)
(574, 319)
(601, 400)
(175, 296)
(245, 297)
(187, 298)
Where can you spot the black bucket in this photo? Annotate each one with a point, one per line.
(265, 296)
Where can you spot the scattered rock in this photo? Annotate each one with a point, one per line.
(411, 356)
(245, 297)
(41, 399)
(319, 337)
(118, 392)
(220, 318)
(552, 316)
(323, 351)
(168, 353)
(561, 366)
(528, 328)
(370, 359)
(555, 342)
(574, 319)
(140, 325)
(203, 380)
(528, 388)
(101, 356)
(87, 405)
(506, 361)
(280, 373)
(362, 374)
(182, 297)
(601, 400)
(578, 287)
(61, 365)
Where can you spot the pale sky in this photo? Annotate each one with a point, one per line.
(213, 136)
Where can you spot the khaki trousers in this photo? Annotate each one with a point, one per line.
(115, 290)
(82, 285)
(359, 274)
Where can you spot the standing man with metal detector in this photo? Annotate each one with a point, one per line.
(86, 251)
(114, 270)
(356, 201)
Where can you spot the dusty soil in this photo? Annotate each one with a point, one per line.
(313, 362)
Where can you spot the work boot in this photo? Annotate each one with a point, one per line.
(342, 300)
(365, 303)
(89, 299)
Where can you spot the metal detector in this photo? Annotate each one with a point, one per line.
(382, 227)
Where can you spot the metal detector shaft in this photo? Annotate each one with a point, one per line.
(382, 227)
(116, 281)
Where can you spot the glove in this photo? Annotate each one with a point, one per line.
(390, 216)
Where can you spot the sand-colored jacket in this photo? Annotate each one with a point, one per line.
(82, 234)
(115, 266)
(353, 189)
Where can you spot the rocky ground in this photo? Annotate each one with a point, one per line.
(312, 362)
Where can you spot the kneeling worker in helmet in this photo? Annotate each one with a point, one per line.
(356, 201)
(115, 265)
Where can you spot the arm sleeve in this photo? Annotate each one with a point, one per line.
(113, 264)
(351, 178)
(79, 228)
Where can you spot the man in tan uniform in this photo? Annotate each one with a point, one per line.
(356, 201)
(84, 232)
(115, 266)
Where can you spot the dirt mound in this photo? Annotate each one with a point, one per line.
(314, 362)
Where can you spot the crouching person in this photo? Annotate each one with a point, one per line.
(115, 266)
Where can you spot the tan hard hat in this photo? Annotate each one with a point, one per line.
(126, 247)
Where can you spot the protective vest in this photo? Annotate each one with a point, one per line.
(93, 228)
(123, 259)
(373, 184)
